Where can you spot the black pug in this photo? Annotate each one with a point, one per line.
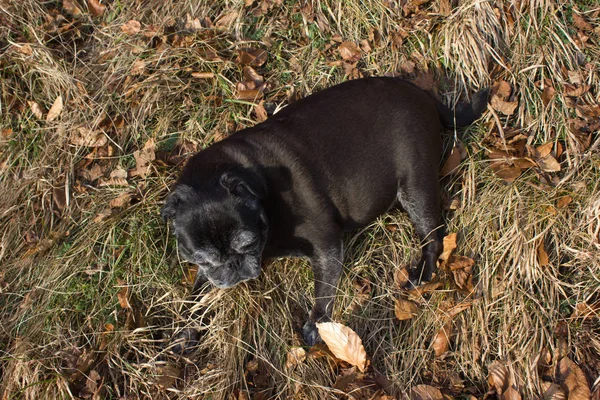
(290, 186)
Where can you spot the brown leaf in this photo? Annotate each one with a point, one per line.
(252, 94)
(121, 200)
(551, 391)
(423, 289)
(167, 375)
(501, 89)
(441, 342)
(576, 90)
(295, 356)
(55, 110)
(36, 109)
(498, 377)
(252, 57)
(344, 343)
(584, 310)
(131, 27)
(405, 309)
(6, 133)
(449, 247)
(548, 94)
(564, 201)
(260, 112)
(506, 171)
(343, 381)
(138, 67)
(59, 196)
(96, 9)
(511, 394)
(71, 8)
(581, 23)
(365, 46)
(251, 75)
(461, 268)
(573, 380)
(123, 296)
(143, 158)
(424, 80)
(548, 164)
(83, 136)
(400, 277)
(542, 256)
(500, 98)
(349, 51)
(452, 162)
(425, 392)
(227, 19)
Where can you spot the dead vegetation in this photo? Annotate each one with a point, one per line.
(101, 103)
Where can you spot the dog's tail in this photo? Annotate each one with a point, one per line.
(465, 113)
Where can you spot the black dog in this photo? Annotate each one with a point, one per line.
(329, 163)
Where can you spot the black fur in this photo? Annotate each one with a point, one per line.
(329, 163)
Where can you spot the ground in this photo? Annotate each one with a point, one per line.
(103, 101)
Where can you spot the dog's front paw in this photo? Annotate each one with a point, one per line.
(310, 333)
(185, 341)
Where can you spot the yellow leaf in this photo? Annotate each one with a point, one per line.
(344, 343)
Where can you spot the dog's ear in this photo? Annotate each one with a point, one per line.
(179, 194)
(243, 184)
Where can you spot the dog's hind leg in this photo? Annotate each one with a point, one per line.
(419, 196)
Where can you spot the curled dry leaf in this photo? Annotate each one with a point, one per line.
(462, 272)
(452, 162)
(425, 392)
(573, 380)
(260, 112)
(295, 356)
(449, 247)
(498, 377)
(400, 277)
(350, 51)
(511, 394)
(576, 90)
(123, 296)
(551, 391)
(542, 255)
(143, 158)
(131, 27)
(500, 98)
(96, 8)
(252, 57)
(36, 109)
(344, 343)
(548, 94)
(441, 342)
(405, 309)
(429, 287)
(70, 8)
(56, 109)
(122, 200)
(83, 136)
(251, 94)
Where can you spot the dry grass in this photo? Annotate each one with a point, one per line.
(63, 330)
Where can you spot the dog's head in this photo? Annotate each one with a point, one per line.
(222, 227)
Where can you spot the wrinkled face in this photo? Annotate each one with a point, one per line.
(225, 238)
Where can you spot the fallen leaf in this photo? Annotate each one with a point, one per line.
(542, 255)
(84, 136)
(462, 272)
(138, 67)
(581, 23)
(449, 247)
(584, 310)
(253, 94)
(572, 380)
(428, 287)
(425, 392)
(71, 8)
(251, 75)
(548, 95)
(564, 201)
(260, 112)
(452, 162)
(551, 391)
(96, 9)
(55, 110)
(344, 343)
(400, 277)
(295, 356)
(252, 57)
(123, 295)
(7, 133)
(121, 200)
(405, 309)
(507, 172)
(349, 51)
(511, 394)
(131, 27)
(167, 375)
(500, 98)
(143, 158)
(576, 90)
(548, 164)
(59, 196)
(441, 342)
(343, 381)
(498, 377)
(36, 109)
(223, 21)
